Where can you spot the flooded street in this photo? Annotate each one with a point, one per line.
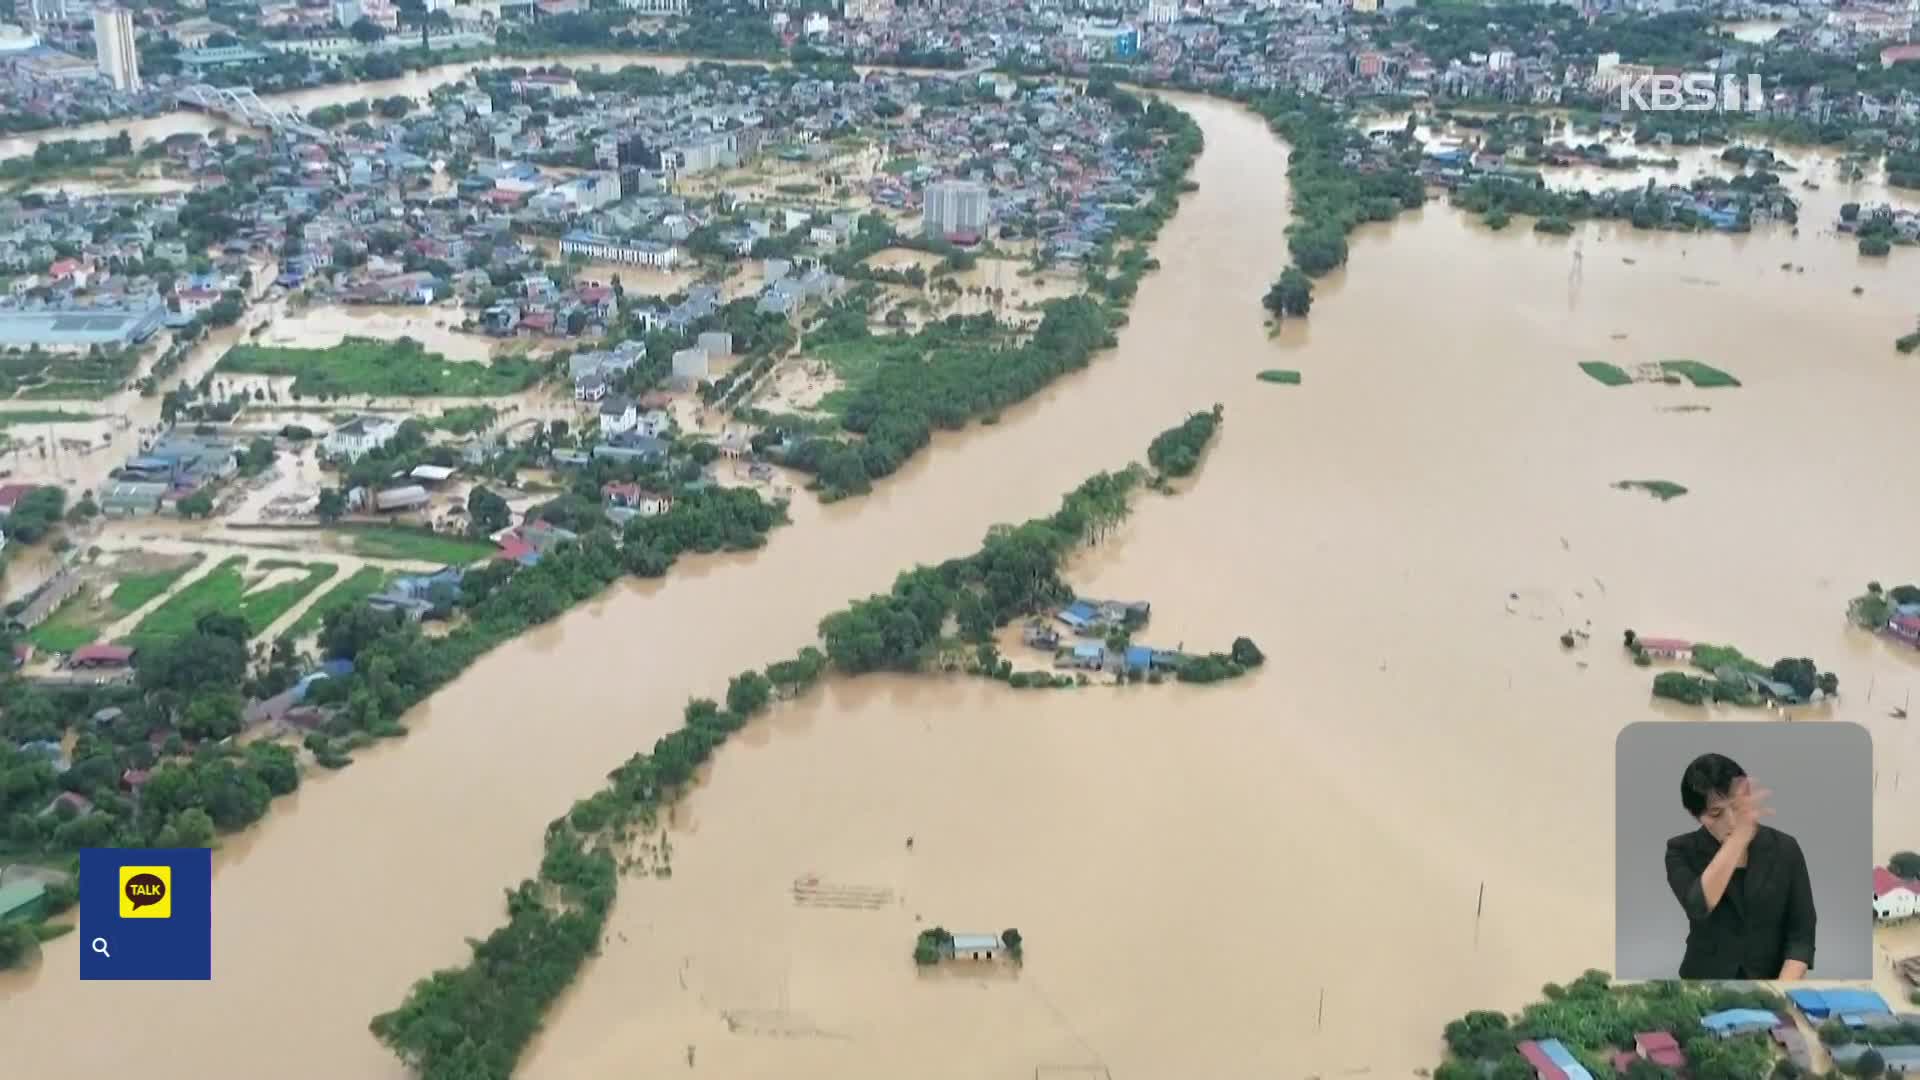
(1406, 534)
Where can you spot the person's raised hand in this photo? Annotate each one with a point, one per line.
(1748, 805)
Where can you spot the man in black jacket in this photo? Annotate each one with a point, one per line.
(1743, 885)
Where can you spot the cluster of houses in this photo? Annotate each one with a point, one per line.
(1905, 223)
(1861, 1011)
(174, 466)
(1098, 620)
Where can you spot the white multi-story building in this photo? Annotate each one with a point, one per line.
(648, 253)
(655, 7)
(956, 207)
(817, 25)
(114, 49)
(868, 11)
(361, 435)
(1163, 11)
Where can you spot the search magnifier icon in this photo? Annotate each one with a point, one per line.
(100, 946)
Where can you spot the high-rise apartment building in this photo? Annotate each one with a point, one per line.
(956, 208)
(114, 49)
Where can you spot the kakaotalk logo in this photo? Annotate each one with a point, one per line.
(146, 892)
(1692, 92)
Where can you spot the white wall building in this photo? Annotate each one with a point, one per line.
(114, 49)
(1163, 11)
(359, 436)
(649, 253)
(691, 364)
(954, 207)
(817, 24)
(655, 7)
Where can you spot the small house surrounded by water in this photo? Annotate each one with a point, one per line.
(977, 947)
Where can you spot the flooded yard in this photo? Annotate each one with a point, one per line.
(434, 326)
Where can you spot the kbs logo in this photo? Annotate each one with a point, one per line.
(1693, 92)
(146, 892)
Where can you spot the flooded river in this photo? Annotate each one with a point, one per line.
(1406, 535)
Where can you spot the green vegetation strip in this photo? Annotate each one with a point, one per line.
(224, 590)
(1659, 489)
(1281, 376)
(70, 390)
(1702, 375)
(399, 368)
(18, 417)
(1176, 451)
(365, 582)
(391, 542)
(1606, 374)
(475, 1020)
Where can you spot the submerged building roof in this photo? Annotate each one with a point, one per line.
(79, 328)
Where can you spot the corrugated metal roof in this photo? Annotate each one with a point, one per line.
(969, 942)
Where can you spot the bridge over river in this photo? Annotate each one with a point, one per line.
(242, 106)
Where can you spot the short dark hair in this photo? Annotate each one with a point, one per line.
(1706, 776)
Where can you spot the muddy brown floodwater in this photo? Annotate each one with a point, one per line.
(1406, 534)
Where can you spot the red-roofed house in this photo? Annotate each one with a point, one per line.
(1543, 1066)
(1896, 54)
(1894, 897)
(70, 270)
(1661, 1048)
(100, 656)
(135, 779)
(514, 548)
(1664, 648)
(537, 321)
(10, 496)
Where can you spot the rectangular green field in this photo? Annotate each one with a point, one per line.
(401, 368)
(387, 542)
(363, 583)
(225, 590)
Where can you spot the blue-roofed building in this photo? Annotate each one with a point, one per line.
(1089, 655)
(1078, 614)
(1551, 1060)
(1562, 1057)
(1731, 1022)
(1900, 1060)
(1850, 1006)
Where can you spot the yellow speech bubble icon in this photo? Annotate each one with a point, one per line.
(146, 892)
